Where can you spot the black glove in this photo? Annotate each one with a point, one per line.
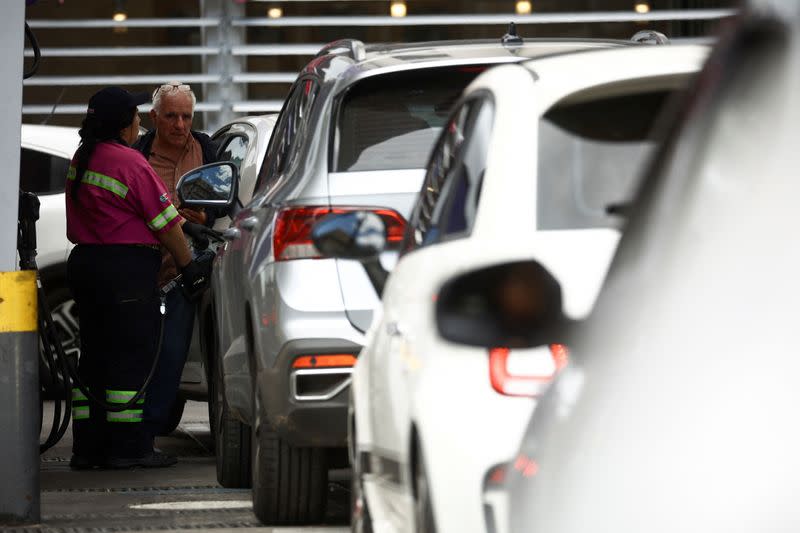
(200, 234)
(194, 279)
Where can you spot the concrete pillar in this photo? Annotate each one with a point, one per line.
(225, 37)
(19, 368)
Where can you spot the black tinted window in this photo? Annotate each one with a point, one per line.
(458, 206)
(288, 132)
(590, 155)
(391, 122)
(42, 173)
(444, 160)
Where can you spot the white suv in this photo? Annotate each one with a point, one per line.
(526, 168)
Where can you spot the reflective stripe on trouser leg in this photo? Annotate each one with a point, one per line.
(80, 412)
(124, 396)
(80, 405)
(78, 395)
(131, 415)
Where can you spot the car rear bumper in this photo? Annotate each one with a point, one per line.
(308, 406)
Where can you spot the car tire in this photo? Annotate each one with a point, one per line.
(65, 317)
(423, 506)
(231, 437)
(289, 483)
(360, 518)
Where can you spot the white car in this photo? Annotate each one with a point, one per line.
(45, 155)
(680, 413)
(534, 157)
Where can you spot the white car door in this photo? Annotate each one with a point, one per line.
(394, 357)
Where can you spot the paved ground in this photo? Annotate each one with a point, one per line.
(182, 497)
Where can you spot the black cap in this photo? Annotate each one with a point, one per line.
(113, 105)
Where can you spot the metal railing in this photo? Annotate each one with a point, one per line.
(238, 52)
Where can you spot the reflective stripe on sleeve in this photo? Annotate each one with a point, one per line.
(122, 396)
(163, 218)
(132, 415)
(78, 395)
(80, 412)
(100, 180)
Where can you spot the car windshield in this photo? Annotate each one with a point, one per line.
(591, 152)
(391, 122)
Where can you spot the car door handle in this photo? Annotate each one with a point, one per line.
(248, 223)
(231, 234)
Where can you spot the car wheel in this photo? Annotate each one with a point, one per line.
(231, 437)
(65, 319)
(360, 519)
(423, 506)
(289, 483)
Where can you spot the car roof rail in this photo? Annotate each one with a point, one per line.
(650, 37)
(352, 48)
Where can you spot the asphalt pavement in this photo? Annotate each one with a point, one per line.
(181, 497)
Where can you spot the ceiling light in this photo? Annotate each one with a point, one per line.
(120, 15)
(275, 12)
(642, 8)
(524, 7)
(398, 8)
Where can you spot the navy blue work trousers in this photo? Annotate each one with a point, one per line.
(116, 291)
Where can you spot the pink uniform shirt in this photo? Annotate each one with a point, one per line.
(121, 200)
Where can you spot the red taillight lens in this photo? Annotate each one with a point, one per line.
(496, 477)
(526, 466)
(292, 235)
(324, 361)
(524, 381)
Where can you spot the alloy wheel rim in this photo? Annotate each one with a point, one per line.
(66, 324)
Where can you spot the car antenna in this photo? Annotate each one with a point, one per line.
(511, 37)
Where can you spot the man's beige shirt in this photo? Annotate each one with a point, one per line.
(170, 171)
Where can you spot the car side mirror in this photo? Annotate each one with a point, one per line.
(513, 305)
(212, 185)
(359, 235)
(355, 235)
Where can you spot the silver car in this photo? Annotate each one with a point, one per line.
(242, 142)
(355, 133)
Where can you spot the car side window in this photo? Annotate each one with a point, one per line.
(234, 150)
(309, 94)
(42, 173)
(443, 161)
(456, 210)
(276, 151)
(283, 148)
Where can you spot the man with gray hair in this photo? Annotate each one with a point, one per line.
(172, 148)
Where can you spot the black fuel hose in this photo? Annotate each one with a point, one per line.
(37, 54)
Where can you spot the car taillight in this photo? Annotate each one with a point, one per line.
(524, 380)
(526, 466)
(292, 235)
(495, 477)
(324, 361)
